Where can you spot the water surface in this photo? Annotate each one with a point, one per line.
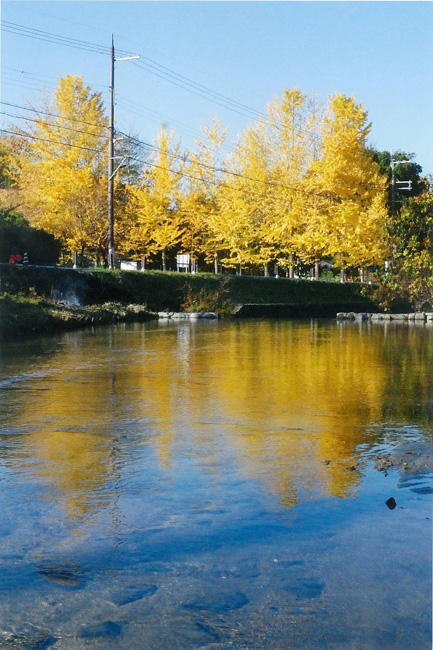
(213, 484)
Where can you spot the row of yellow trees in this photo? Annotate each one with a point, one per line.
(298, 184)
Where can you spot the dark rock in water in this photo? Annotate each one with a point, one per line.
(220, 604)
(305, 589)
(132, 594)
(410, 457)
(391, 503)
(107, 629)
(29, 641)
(384, 463)
(70, 576)
(423, 490)
(43, 643)
(208, 630)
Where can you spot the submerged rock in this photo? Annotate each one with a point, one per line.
(220, 604)
(67, 576)
(411, 457)
(391, 503)
(305, 589)
(37, 641)
(106, 629)
(132, 594)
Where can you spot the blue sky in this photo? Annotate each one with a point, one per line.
(380, 52)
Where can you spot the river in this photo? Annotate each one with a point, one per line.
(213, 485)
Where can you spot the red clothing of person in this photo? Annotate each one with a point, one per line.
(15, 258)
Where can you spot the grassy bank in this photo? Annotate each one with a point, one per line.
(23, 315)
(160, 291)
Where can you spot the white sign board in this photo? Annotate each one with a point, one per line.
(129, 266)
(182, 260)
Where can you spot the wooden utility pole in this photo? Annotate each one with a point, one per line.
(111, 171)
(110, 196)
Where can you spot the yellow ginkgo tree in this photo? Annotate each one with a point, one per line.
(349, 190)
(244, 225)
(63, 172)
(154, 207)
(198, 205)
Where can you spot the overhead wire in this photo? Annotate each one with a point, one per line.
(35, 110)
(58, 39)
(148, 64)
(57, 126)
(65, 144)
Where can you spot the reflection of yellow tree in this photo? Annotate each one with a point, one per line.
(69, 446)
(296, 396)
(290, 400)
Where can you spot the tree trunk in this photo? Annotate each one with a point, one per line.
(215, 263)
(143, 263)
(164, 268)
(74, 259)
(291, 267)
(342, 275)
(240, 269)
(316, 270)
(361, 275)
(266, 270)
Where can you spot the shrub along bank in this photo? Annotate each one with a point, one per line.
(22, 315)
(160, 291)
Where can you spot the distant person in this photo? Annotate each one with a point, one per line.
(15, 258)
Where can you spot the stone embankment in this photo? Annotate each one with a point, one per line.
(181, 315)
(421, 317)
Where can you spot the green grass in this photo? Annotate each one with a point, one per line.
(160, 291)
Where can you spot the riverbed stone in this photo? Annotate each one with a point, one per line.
(64, 576)
(220, 603)
(343, 315)
(305, 589)
(131, 594)
(106, 629)
(408, 457)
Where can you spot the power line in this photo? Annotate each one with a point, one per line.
(38, 77)
(151, 65)
(70, 119)
(57, 126)
(211, 167)
(50, 37)
(65, 144)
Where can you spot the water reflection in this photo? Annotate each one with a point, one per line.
(206, 468)
(290, 403)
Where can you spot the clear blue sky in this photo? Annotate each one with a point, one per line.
(380, 52)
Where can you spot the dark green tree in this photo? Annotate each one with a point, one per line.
(410, 277)
(403, 172)
(16, 234)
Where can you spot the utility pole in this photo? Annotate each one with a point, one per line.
(404, 185)
(111, 171)
(110, 196)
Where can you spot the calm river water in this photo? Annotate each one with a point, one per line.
(213, 485)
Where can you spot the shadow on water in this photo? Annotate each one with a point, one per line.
(215, 483)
